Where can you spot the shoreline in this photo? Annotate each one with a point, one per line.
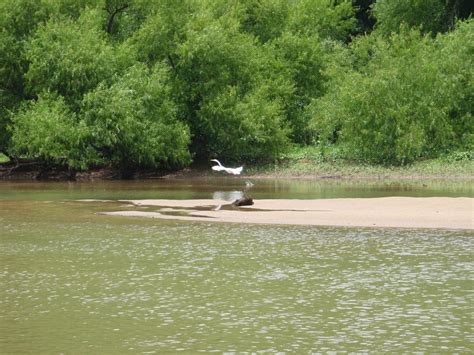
(397, 212)
(430, 170)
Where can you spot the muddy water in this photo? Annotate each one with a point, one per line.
(73, 281)
(228, 188)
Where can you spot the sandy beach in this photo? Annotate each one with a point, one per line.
(402, 212)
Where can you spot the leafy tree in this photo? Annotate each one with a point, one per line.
(134, 83)
(266, 19)
(218, 62)
(269, 19)
(304, 58)
(432, 16)
(303, 47)
(46, 129)
(123, 18)
(454, 59)
(133, 122)
(114, 9)
(70, 57)
(326, 18)
(161, 32)
(129, 124)
(211, 56)
(405, 102)
(19, 19)
(248, 127)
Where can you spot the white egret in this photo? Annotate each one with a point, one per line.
(220, 167)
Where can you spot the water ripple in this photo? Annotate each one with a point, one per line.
(155, 287)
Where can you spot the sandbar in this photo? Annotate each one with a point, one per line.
(401, 212)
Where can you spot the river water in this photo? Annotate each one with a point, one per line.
(74, 281)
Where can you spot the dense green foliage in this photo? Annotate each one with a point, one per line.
(46, 128)
(69, 58)
(133, 122)
(139, 83)
(404, 97)
(429, 15)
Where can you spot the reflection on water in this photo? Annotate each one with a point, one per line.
(227, 195)
(204, 188)
(73, 281)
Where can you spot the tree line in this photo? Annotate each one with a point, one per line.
(160, 83)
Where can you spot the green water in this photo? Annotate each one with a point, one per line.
(73, 281)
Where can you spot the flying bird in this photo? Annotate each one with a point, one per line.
(220, 167)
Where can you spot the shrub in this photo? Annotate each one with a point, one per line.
(326, 18)
(133, 122)
(69, 57)
(232, 89)
(413, 98)
(46, 129)
(304, 58)
(243, 128)
(429, 15)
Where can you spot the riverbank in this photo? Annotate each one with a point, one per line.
(399, 212)
(304, 163)
(309, 162)
(307, 168)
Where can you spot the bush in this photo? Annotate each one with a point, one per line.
(458, 156)
(265, 19)
(133, 122)
(456, 81)
(304, 58)
(69, 57)
(232, 90)
(46, 129)
(134, 83)
(19, 19)
(243, 128)
(326, 18)
(413, 98)
(429, 15)
(129, 124)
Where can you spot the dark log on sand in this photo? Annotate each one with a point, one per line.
(243, 201)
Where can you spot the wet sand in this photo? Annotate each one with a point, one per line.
(403, 212)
